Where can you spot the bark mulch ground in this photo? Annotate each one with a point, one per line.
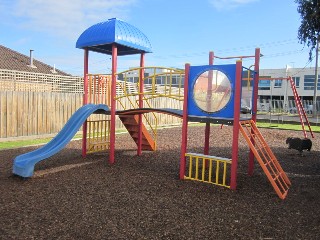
(142, 197)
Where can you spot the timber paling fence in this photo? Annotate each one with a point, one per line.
(35, 113)
(41, 113)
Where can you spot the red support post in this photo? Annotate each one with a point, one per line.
(113, 103)
(85, 100)
(254, 105)
(209, 95)
(141, 85)
(184, 138)
(235, 139)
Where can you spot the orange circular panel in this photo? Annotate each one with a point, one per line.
(212, 91)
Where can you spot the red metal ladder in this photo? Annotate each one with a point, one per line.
(267, 160)
(300, 109)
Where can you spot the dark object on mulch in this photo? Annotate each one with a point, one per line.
(299, 144)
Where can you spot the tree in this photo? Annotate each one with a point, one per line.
(309, 33)
(309, 30)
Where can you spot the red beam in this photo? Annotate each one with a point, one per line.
(184, 137)
(113, 103)
(85, 100)
(233, 57)
(254, 106)
(141, 84)
(209, 93)
(236, 118)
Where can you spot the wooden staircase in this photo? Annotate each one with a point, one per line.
(267, 160)
(131, 122)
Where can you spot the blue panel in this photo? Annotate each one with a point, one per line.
(101, 36)
(195, 72)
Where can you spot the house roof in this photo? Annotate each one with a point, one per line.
(12, 60)
(101, 36)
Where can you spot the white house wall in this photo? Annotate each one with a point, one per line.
(285, 87)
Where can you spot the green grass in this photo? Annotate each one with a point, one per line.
(23, 143)
(38, 141)
(29, 142)
(295, 127)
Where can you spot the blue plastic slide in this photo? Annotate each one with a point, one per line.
(23, 165)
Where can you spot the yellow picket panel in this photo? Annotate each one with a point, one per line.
(208, 169)
(98, 136)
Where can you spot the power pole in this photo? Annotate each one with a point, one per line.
(314, 110)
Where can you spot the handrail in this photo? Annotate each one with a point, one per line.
(158, 82)
(154, 129)
(171, 86)
(167, 88)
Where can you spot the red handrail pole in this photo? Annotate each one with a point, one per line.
(85, 100)
(236, 118)
(209, 94)
(141, 84)
(184, 137)
(254, 105)
(113, 103)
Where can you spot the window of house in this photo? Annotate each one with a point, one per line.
(174, 80)
(309, 82)
(296, 81)
(264, 85)
(159, 80)
(277, 83)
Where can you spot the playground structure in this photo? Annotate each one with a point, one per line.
(210, 94)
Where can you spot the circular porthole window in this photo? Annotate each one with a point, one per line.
(212, 91)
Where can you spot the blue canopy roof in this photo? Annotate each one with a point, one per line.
(101, 36)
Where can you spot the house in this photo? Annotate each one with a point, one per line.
(303, 78)
(19, 72)
(15, 61)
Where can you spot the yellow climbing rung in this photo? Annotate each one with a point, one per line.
(208, 169)
(98, 136)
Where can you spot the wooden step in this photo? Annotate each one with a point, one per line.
(131, 122)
